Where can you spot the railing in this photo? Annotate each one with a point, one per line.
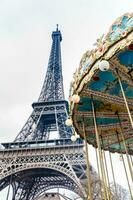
(40, 144)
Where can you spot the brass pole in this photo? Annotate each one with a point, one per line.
(105, 163)
(130, 156)
(131, 160)
(106, 169)
(127, 176)
(112, 169)
(106, 196)
(123, 139)
(125, 100)
(124, 167)
(98, 171)
(89, 197)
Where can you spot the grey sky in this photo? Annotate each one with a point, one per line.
(25, 42)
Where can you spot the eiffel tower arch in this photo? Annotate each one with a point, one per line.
(42, 156)
(43, 168)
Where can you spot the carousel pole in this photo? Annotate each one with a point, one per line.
(105, 163)
(124, 165)
(106, 175)
(98, 171)
(124, 97)
(89, 197)
(130, 156)
(127, 176)
(106, 194)
(127, 155)
(131, 160)
(112, 168)
(106, 168)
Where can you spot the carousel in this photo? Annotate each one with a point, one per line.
(101, 101)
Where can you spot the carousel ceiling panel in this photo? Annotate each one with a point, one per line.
(102, 86)
(126, 58)
(107, 82)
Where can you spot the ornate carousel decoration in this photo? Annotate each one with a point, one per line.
(101, 98)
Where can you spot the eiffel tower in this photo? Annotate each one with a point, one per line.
(42, 156)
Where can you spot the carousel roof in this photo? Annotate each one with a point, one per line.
(89, 81)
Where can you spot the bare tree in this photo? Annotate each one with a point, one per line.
(119, 193)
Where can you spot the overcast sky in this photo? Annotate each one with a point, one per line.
(25, 42)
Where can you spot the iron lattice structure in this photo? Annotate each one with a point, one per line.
(36, 162)
(50, 112)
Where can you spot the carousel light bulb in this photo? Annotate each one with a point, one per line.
(73, 138)
(68, 122)
(104, 65)
(76, 98)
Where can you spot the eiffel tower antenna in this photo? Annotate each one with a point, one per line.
(57, 25)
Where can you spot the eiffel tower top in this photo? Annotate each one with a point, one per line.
(50, 111)
(57, 33)
(52, 89)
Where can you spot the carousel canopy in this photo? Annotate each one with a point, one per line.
(102, 74)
